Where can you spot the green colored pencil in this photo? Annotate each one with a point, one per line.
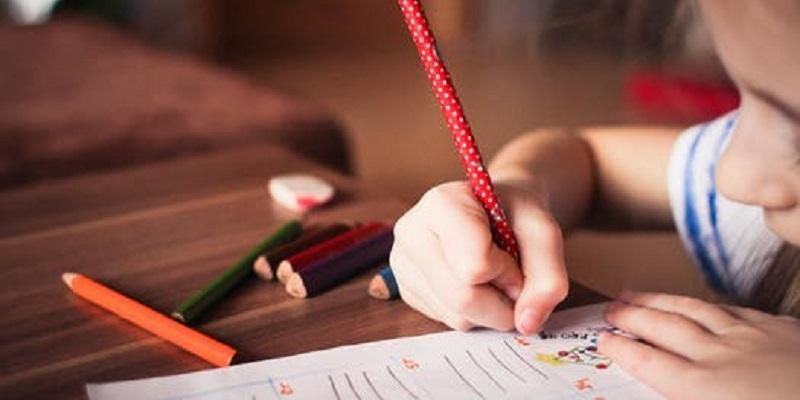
(214, 291)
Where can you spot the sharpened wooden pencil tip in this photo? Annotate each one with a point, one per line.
(68, 277)
(295, 286)
(284, 271)
(262, 269)
(178, 316)
(378, 289)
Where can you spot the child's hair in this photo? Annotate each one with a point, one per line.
(670, 33)
(779, 289)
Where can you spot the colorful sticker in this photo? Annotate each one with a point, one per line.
(579, 355)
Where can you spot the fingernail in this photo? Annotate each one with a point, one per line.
(529, 320)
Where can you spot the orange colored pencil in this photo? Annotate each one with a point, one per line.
(150, 320)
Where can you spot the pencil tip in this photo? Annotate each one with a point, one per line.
(283, 271)
(262, 269)
(68, 277)
(377, 288)
(178, 316)
(295, 287)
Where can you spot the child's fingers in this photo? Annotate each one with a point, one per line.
(470, 306)
(409, 278)
(480, 304)
(432, 309)
(447, 238)
(672, 332)
(545, 281)
(509, 274)
(747, 314)
(413, 286)
(484, 305)
(460, 305)
(709, 316)
(414, 300)
(462, 228)
(656, 368)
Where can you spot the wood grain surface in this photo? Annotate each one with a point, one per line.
(157, 233)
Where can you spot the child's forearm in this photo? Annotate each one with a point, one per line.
(556, 162)
(616, 176)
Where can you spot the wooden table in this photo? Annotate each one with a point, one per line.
(157, 233)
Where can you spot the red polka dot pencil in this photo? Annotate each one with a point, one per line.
(453, 113)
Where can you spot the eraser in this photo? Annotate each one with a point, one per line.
(300, 192)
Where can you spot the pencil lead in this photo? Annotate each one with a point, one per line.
(68, 277)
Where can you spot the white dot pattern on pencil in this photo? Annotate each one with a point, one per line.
(445, 93)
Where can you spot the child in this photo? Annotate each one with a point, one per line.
(732, 187)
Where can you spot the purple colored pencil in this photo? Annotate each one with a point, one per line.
(337, 268)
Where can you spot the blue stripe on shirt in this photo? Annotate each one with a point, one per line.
(712, 197)
(691, 219)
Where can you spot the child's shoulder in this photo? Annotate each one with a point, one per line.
(703, 144)
(729, 241)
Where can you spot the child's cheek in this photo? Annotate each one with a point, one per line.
(785, 223)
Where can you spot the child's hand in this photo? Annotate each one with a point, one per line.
(699, 350)
(448, 268)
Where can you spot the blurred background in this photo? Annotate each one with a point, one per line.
(90, 85)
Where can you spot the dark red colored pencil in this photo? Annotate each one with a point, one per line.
(307, 257)
(266, 264)
(328, 272)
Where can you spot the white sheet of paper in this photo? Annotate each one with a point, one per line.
(560, 363)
